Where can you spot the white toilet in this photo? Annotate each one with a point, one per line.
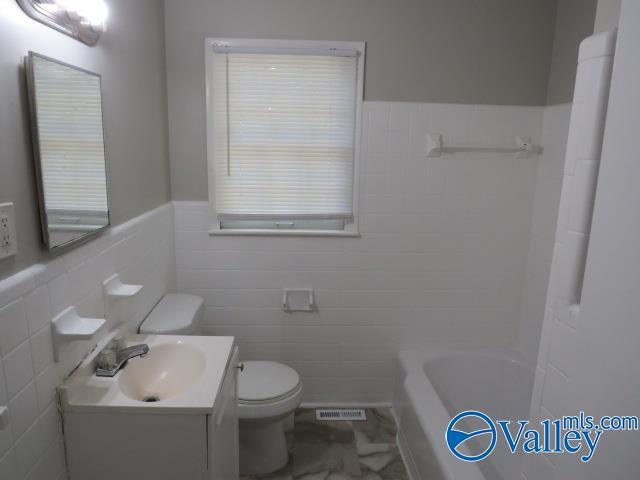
(268, 392)
(175, 314)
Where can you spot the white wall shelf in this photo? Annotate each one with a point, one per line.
(69, 327)
(298, 300)
(114, 289)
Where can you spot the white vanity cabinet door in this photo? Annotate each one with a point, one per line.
(223, 427)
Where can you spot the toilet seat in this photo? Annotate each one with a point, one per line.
(267, 389)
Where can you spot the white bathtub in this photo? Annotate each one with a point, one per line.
(434, 386)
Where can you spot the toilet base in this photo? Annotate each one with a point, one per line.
(263, 447)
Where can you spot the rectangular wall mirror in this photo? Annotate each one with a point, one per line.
(68, 141)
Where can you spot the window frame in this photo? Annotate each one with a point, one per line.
(350, 228)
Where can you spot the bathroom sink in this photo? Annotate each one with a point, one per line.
(164, 372)
(180, 375)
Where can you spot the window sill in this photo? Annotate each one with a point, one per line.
(284, 233)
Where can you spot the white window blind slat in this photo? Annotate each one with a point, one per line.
(70, 133)
(284, 135)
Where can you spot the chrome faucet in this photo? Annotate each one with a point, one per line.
(121, 356)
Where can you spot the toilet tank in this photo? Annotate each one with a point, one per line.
(175, 314)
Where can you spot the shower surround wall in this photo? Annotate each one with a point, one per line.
(555, 127)
(557, 363)
(441, 258)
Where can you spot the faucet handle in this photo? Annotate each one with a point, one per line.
(106, 359)
(121, 358)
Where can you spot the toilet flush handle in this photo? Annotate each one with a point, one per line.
(240, 367)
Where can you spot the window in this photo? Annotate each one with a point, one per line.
(283, 129)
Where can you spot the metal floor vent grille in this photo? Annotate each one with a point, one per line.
(336, 414)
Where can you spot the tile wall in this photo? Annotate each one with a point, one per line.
(441, 258)
(142, 252)
(555, 127)
(556, 364)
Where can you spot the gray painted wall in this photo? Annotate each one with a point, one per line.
(607, 15)
(574, 23)
(459, 51)
(130, 57)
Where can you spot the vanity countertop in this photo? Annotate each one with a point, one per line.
(187, 370)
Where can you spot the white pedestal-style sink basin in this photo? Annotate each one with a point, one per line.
(164, 372)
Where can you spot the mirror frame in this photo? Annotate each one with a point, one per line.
(37, 158)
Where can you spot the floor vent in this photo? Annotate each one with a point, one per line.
(337, 414)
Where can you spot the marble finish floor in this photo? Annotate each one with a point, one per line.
(343, 450)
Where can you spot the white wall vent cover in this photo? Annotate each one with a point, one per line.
(333, 414)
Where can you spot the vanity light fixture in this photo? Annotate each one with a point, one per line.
(83, 20)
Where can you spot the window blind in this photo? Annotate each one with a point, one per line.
(284, 135)
(70, 133)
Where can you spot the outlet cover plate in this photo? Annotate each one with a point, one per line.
(8, 242)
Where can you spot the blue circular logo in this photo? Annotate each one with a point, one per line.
(457, 435)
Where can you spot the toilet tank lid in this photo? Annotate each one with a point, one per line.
(175, 312)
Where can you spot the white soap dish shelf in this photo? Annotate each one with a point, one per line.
(69, 327)
(116, 290)
(298, 300)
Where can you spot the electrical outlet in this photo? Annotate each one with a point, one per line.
(8, 242)
(4, 417)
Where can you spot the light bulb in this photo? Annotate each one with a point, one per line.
(93, 12)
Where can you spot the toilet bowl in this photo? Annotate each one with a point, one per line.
(268, 392)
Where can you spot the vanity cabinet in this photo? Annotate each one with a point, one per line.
(223, 428)
(156, 444)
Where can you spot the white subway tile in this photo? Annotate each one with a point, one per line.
(400, 116)
(42, 349)
(59, 294)
(572, 257)
(8, 464)
(29, 448)
(38, 308)
(3, 385)
(51, 466)
(378, 143)
(556, 393)
(45, 272)
(46, 383)
(563, 348)
(6, 442)
(23, 409)
(16, 286)
(18, 368)
(50, 425)
(583, 196)
(13, 326)
(378, 113)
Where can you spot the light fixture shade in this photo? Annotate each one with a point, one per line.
(83, 20)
